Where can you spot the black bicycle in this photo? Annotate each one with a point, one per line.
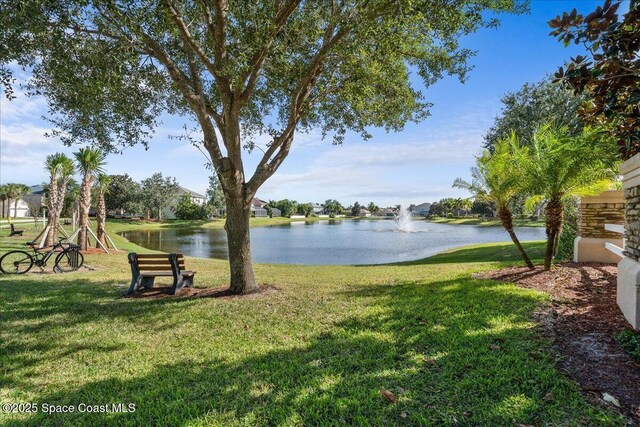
(68, 259)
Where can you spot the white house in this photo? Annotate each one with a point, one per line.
(420, 210)
(32, 200)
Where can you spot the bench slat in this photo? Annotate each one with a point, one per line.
(156, 256)
(165, 273)
(158, 261)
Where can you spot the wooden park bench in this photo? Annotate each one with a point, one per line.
(15, 232)
(146, 267)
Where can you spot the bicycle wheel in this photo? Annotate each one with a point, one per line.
(68, 260)
(16, 262)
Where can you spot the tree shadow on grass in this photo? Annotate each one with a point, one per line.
(454, 352)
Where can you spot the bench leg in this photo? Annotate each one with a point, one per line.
(182, 282)
(147, 282)
(188, 281)
(135, 284)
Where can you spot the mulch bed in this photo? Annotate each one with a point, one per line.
(583, 321)
(220, 292)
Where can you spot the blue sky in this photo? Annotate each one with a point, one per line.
(413, 166)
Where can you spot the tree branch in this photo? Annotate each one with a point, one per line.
(250, 77)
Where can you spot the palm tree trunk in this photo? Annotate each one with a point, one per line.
(85, 205)
(554, 212)
(506, 219)
(101, 215)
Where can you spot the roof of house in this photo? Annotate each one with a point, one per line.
(192, 193)
(258, 202)
(37, 189)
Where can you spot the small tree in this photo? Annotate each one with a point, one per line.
(215, 195)
(531, 106)
(60, 168)
(123, 195)
(305, 209)
(3, 198)
(497, 179)
(103, 187)
(558, 165)
(90, 161)
(158, 192)
(373, 208)
(187, 209)
(355, 209)
(287, 207)
(14, 193)
(333, 207)
(610, 78)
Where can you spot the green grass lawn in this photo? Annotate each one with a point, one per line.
(454, 350)
(486, 223)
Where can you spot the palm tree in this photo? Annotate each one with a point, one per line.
(559, 165)
(14, 192)
(19, 191)
(496, 180)
(60, 168)
(101, 212)
(89, 161)
(3, 198)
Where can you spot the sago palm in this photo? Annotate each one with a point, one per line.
(496, 179)
(60, 169)
(559, 165)
(90, 161)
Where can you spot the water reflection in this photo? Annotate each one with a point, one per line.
(314, 242)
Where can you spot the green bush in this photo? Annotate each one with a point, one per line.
(630, 342)
(188, 209)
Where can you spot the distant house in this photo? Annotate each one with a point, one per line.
(255, 202)
(363, 212)
(32, 200)
(387, 213)
(258, 208)
(317, 209)
(168, 212)
(275, 212)
(420, 210)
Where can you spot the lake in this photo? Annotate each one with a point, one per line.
(331, 242)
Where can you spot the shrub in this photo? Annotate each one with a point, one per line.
(187, 209)
(569, 230)
(630, 342)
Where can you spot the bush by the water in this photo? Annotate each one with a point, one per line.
(188, 209)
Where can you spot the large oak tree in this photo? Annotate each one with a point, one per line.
(239, 69)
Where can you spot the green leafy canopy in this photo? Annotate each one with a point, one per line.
(110, 68)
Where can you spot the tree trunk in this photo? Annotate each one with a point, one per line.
(85, 205)
(507, 222)
(52, 207)
(159, 213)
(243, 279)
(554, 213)
(15, 207)
(101, 217)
